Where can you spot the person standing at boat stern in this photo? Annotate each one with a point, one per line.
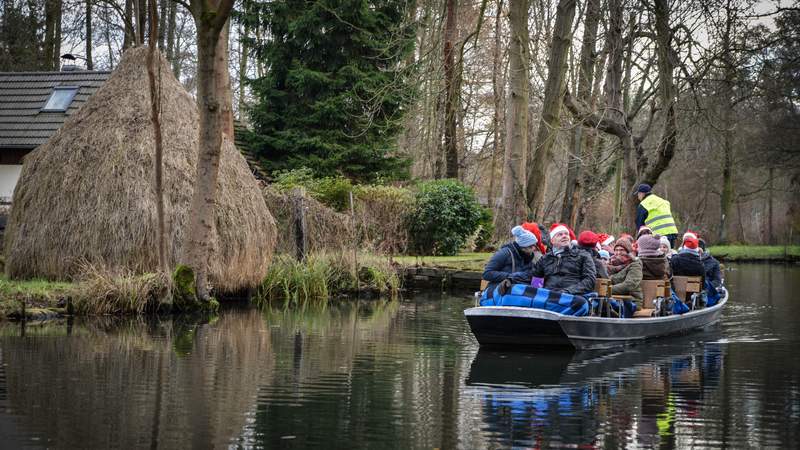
(655, 213)
(513, 260)
(565, 268)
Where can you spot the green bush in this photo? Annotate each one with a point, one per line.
(445, 215)
(485, 230)
(333, 192)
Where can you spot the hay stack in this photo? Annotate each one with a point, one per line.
(87, 194)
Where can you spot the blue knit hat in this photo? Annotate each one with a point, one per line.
(523, 237)
(644, 188)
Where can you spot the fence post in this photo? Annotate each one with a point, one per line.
(301, 241)
(355, 240)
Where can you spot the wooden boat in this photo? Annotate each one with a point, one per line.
(512, 326)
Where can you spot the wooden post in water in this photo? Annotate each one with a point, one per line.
(298, 197)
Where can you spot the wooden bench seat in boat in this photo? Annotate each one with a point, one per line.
(685, 286)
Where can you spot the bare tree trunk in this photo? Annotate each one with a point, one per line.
(771, 193)
(223, 81)
(141, 20)
(497, 90)
(666, 89)
(52, 34)
(172, 6)
(155, 117)
(210, 18)
(162, 22)
(579, 144)
(726, 199)
(551, 111)
(107, 33)
(451, 92)
(245, 53)
(89, 63)
(130, 30)
(513, 200)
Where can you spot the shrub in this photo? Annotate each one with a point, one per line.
(485, 230)
(380, 217)
(445, 215)
(331, 191)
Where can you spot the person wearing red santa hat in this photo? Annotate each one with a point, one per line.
(687, 262)
(565, 268)
(588, 242)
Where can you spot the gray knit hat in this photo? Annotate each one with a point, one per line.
(523, 237)
(649, 245)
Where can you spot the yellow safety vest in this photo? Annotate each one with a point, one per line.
(659, 216)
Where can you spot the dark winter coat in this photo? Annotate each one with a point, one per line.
(508, 261)
(571, 271)
(687, 264)
(628, 281)
(599, 265)
(712, 270)
(655, 268)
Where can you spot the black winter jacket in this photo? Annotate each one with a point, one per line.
(509, 259)
(599, 266)
(687, 264)
(571, 271)
(712, 270)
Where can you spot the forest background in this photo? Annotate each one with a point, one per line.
(548, 110)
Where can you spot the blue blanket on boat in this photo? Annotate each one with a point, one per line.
(527, 296)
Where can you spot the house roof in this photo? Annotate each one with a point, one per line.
(23, 94)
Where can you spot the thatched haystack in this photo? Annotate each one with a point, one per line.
(87, 194)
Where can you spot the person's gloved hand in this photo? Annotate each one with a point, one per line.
(720, 290)
(504, 286)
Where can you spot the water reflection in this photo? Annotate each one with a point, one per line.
(591, 399)
(404, 374)
(129, 384)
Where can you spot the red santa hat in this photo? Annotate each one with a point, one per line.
(690, 240)
(534, 228)
(559, 227)
(587, 238)
(605, 239)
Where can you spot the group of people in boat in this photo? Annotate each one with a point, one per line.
(559, 261)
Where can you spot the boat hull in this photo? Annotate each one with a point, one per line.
(505, 326)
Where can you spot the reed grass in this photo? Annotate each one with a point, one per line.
(323, 276)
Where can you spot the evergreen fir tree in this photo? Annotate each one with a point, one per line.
(335, 89)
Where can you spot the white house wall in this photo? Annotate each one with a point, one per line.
(9, 175)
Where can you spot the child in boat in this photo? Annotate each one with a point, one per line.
(513, 260)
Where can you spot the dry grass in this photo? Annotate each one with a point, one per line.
(88, 193)
(100, 291)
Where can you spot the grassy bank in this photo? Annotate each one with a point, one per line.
(744, 253)
(464, 261)
(41, 297)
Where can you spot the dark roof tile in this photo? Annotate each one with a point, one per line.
(22, 96)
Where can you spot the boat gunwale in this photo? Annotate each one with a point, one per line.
(532, 313)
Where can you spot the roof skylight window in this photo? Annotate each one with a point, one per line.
(60, 99)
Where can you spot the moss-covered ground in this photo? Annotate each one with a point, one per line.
(41, 297)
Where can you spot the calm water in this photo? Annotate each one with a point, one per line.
(401, 375)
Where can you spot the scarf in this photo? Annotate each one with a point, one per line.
(617, 263)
